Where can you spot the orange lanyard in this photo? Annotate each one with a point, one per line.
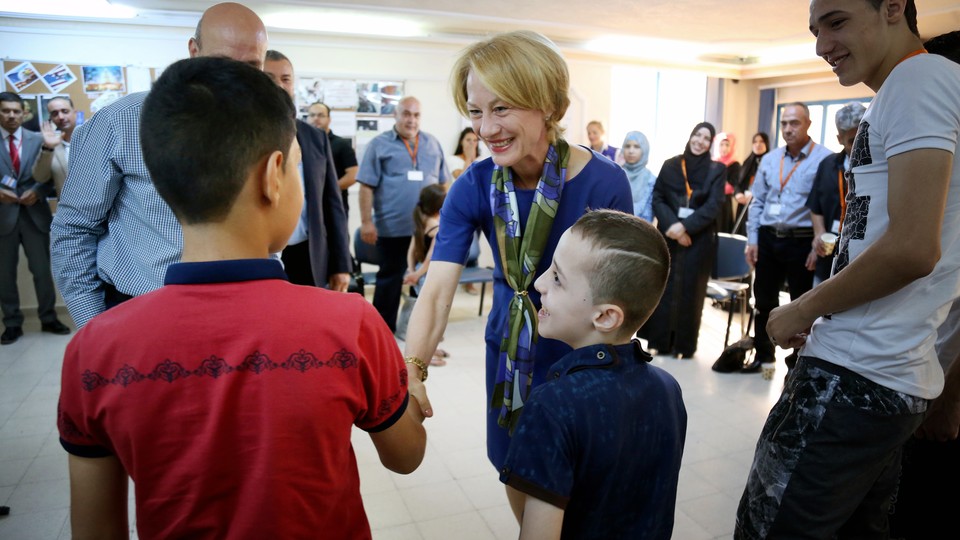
(783, 182)
(921, 50)
(413, 152)
(683, 166)
(843, 199)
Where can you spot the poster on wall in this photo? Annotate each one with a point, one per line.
(309, 90)
(138, 79)
(390, 94)
(368, 94)
(340, 94)
(58, 78)
(30, 109)
(22, 76)
(99, 79)
(47, 98)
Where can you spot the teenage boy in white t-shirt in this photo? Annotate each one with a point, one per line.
(828, 457)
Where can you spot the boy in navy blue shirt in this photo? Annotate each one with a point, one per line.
(597, 451)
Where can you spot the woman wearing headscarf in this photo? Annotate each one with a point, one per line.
(635, 153)
(514, 87)
(759, 147)
(725, 144)
(686, 200)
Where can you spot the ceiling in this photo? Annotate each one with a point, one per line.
(740, 38)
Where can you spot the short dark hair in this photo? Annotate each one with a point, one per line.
(909, 13)
(947, 45)
(631, 265)
(10, 96)
(274, 56)
(198, 164)
(322, 104)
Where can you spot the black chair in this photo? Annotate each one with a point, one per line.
(730, 283)
(363, 253)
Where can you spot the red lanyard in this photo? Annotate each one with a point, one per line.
(683, 166)
(783, 182)
(413, 152)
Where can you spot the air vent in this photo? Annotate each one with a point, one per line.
(729, 59)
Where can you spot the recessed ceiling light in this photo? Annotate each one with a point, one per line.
(343, 23)
(96, 9)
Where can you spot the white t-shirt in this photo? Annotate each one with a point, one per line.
(890, 341)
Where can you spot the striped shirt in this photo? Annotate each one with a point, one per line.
(111, 225)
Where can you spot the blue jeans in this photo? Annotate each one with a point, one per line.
(828, 458)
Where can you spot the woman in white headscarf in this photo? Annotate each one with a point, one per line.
(635, 153)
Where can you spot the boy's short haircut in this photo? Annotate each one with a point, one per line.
(909, 13)
(631, 263)
(205, 124)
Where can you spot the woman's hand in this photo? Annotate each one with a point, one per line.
(676, 231)
(411, 278)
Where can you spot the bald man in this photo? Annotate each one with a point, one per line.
(396, 165)
(113, 237)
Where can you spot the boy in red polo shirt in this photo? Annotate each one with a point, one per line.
(229, 395)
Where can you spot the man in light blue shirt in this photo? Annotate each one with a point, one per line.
(396, 165)
(779, 227)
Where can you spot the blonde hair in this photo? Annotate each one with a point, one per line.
(523, 68)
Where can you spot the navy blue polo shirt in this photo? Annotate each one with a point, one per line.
(602, 439)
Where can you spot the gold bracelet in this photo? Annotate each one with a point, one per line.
(420, 364)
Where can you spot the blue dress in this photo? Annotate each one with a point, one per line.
(601, 184)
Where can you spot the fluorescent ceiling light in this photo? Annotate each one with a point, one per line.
(94, 9)
(343, 23)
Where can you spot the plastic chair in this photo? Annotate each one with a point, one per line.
(731, 280)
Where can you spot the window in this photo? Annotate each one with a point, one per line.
(823, 127)
(663, 105)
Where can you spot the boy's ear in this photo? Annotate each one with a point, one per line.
(895, 10)
(269, 180)
(607, 318)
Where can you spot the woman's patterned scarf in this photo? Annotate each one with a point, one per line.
(520, 252)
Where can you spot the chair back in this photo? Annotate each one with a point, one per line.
(365, 253)
(730, 263)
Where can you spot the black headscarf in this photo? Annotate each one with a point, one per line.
(749, 169)
(697, 166)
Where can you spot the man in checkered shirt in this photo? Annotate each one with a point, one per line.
(113, 237)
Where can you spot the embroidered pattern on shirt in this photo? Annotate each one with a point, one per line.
(215, 367)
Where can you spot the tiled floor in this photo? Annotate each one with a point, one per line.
(455, 493)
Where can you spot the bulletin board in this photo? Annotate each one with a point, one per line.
(360, 109)
(91, 87)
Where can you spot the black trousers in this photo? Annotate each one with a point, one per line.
(779, 260)
(296, 263)
(393, 264)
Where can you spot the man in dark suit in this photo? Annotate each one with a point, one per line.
(318, 252)
(24, 220)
